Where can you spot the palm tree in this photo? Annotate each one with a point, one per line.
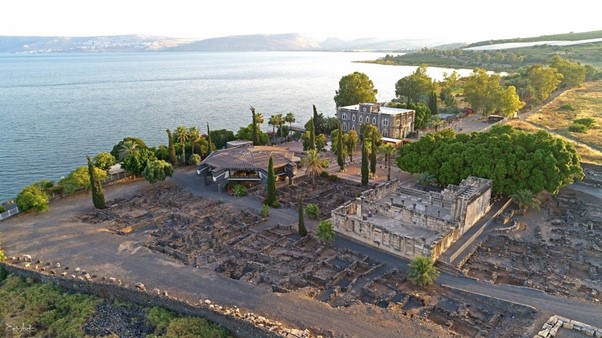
(194, 136)
(290, 118)
(273, 121)
(325, 231)
(422, 271)
(388, 150)
(425, 179)
(259, 119)
(524, 198)
(314, 164)
(127, 148)
(280, 122)
(182, 137)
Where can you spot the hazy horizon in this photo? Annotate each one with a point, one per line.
(460, 21)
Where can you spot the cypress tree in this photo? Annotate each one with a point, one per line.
(433, 104)
(340, 147)
(172, 148)
(373, 156)
(254, 131)
(209, 139)
(98, 197)
(301, 228)
(271, 198)
(364, 164)
(312, 134)
(315, 116)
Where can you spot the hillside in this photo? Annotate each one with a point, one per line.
(555, 37)
(259, 42)
(58, 44)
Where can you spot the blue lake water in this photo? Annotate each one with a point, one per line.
(57, 108)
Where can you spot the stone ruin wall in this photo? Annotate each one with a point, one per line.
(346, 222)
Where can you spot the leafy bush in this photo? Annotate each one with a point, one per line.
(324, 174)
(194, 159)
(422, 271)
(578, 128)
(333, 177)
(589, 122)
(325, 231)
(159, 318)
(104, 161)
(567, 107)
(194, 327)
(2, 209)
(312, 211)
(44, 184)
(264, 211)
(239, 190)
(32, 198)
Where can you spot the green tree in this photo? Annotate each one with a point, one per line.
(573, 74)
(273, 121)
(127, 148)
(290, 118)
(525, 199)
(313, 164)
(32, 198)
(181, 134)
(351, 142)
(280, 122)
(355, 88)
(254, 127)
(157, 170)
(320, 142)
(301, 225)
(98, 196)
(513, 159)
(311, 143)
(373, 150)
(172, 148)
(388, 150)
(365, 169)
(425, 179)
(369, 131)
(485, 93)
(433, 104)
(80, 177)
(104, 160)
(422, 114)
(325, 231)
(194, 159)
(312, 210)
(271, 199)
(220, 138)
(415, 87)
(136, 163)
(542, 81)
(340, 149)
(422, 271)
(246, 133)
(162, 152)
(116, 148)
(449, 87)
(194, 136)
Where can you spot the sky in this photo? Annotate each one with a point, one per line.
(442, 20)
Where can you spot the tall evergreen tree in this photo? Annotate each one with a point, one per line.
(98, 197)
(209, 139)
(312, 134)
(271, 198)
(301, 228)
(172, 148)
(365, 170)
(433, 104)
(254, 129)
(340, 148)
(373, 156)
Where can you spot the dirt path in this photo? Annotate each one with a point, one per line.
(56, 236)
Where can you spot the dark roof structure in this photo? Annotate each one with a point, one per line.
(249, 158)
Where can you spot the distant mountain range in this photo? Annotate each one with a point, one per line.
(260, 42)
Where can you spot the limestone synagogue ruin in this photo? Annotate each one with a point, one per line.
(408, 222)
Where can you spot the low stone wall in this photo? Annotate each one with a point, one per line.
(241, 324)
(555, 323)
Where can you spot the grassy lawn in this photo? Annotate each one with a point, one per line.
(557, 117)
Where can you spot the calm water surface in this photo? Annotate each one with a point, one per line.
(55, 109)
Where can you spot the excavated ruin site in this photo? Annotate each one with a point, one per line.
(239, 244)
(557, 250)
